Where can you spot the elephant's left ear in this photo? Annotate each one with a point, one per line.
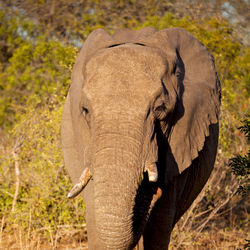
(199, 94)
(72, 129)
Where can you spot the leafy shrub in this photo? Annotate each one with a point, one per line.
(41, 200)
(240, 164)
(37, 73)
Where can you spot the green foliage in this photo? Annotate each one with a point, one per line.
(240, 164)
(38, 72)
(41, 201)
(34, 79)
(14, 31)
(247, 245)
(71, 21)
(245, 128)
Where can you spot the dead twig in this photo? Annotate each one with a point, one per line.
(17, 172)
(215, 210)
(1, 230)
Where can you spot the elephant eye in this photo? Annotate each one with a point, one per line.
(86, 115)
(178, 73)
(85, 111)
(174, 68)
(160, 112)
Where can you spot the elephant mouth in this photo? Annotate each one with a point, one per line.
(87, 175)
(147, 194)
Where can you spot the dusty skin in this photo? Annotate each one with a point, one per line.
(140, 99)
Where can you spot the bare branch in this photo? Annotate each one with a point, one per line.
(17, 173)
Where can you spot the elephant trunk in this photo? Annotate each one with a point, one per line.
(117, 174)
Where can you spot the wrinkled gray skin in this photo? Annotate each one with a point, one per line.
(139, 98)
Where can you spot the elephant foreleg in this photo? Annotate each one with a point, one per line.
(139, 245)
(158, 230)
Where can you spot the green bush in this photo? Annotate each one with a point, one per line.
(240, 164)
(38, 72)
(41, 201)
(33, 84)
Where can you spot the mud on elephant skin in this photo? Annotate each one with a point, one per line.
(140, 133)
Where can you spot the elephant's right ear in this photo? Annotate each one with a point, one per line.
(198, 100)
(74, 139)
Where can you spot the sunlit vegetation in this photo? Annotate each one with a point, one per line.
(38, 47)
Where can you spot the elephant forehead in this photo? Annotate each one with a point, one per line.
(126, 67)
(127, 75)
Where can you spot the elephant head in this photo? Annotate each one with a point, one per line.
(137, 114)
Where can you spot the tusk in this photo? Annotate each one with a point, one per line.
(80, 185)
(152, 172)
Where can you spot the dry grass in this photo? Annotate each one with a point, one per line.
(218, 222)
(218, 219)
(214, 239)
(67, 239)
(64, 239)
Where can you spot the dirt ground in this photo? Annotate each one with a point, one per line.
(223, 239)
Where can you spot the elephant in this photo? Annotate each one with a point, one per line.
(140, 132)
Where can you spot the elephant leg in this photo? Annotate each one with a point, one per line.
(139, 245)
(163, 217)
(158, 230)
(178, 196)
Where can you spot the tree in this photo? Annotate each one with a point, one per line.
(240, 164)
(73, 20)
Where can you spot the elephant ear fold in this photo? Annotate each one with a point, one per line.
(199, 95)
